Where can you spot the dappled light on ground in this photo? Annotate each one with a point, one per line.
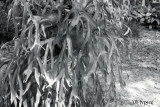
(147, 90)
(142, 73)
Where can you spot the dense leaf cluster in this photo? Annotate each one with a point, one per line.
(60, 48)
(146, 15)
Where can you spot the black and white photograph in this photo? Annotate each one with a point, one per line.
(79, 53)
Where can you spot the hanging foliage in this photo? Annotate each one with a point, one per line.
(60, 48)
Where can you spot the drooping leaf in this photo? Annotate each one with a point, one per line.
(25, 103)
(38, 96)
(27, 88)
(43, 30)
(127, 32)
(37, 76)
(75, 21)
(20, 91)
(28, 71)
(9, 17)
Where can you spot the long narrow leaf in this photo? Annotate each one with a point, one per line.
(38, 96)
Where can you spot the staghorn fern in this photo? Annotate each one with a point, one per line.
(87, 33)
